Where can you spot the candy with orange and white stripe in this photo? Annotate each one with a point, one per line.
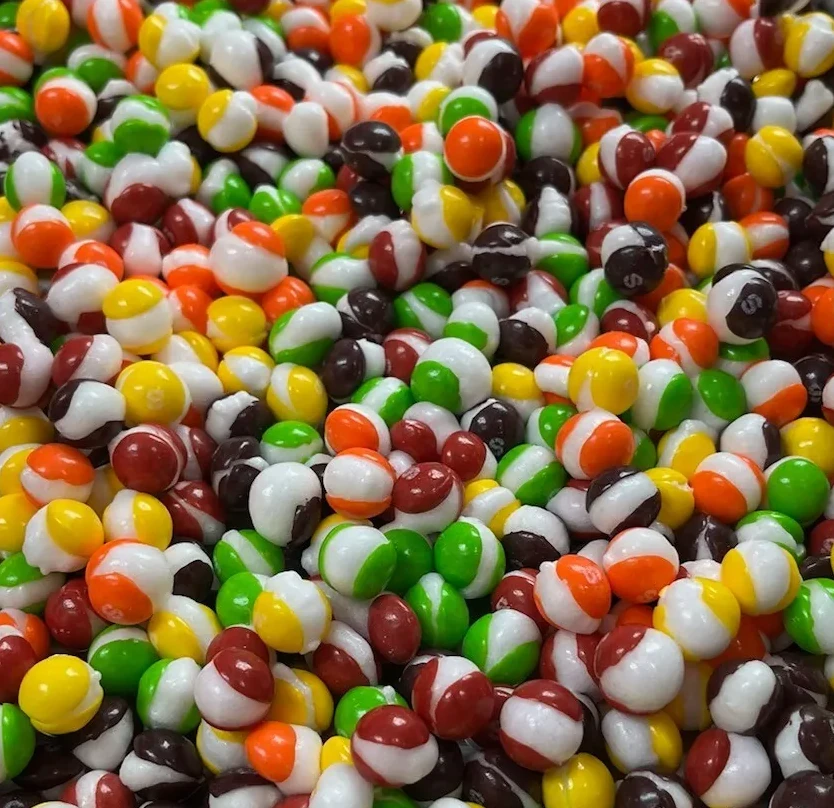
(639, 562)
(358, 483)
(592, 442)
(573, 593)
(727, 486)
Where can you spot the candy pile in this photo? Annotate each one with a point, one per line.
(412, 404)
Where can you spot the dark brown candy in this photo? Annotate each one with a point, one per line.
(411, 671)
(777, 273)
(236, 782)
(805, 260)
(814, 371)
(104, 741)
(450, 275)
(710, 207)
(803, 739)
(369, 198)
(546, 170)
(444, 780)
(366, 313)
(794, 211)
(493, 780)
(497, 424)
(343, 369)
(194, 576)
(371, 148)
(620, 498)
(500, 254)
(235, 465)
(704, 537)
(79, 396)
(162, 749)
(238, 415)
(817, 168)
(803, 681)
(804, 790)
(821, 219)
(816, 566)
(396, 79)
(728, 695)
(50, 768)
(20, 799)
(526, 549)
(521, 343)
(649, 789)
(19, 136)
(36, 314)
(638, 268)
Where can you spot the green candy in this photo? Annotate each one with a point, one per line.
(664, 398)
(17, 741)
(505, 645)
(26, 165)
(412, 171)
(469, 557)
(667, 19)
(93, 169)
(304, 336)
(269, 203)
(719, 398)
(205, 9)
(798, 488)
(25, 587)
(425, 306)
(246, 551)
(463, 102)
(477, 324)
(544, 424)
(594, 291)
(236, 598)
(95, 66)
(773, 526)
(441, 610)
(8, 20)
(360, 700)
(357, 560)
(548, 130)
(388, 396)
(445, 22)
(336, 274)
(414, 557)
(140, 123)
(532, 473)
(166, 696)
(735, 359)
(290, 441)
(223, 187)
(576, 326)
(392, 798)
(16, 104)
(809, 617)
(305, 176)
(562, 256)
(645, 452)
(121, 654)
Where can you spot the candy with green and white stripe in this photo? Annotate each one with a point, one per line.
(773, 526)
(305, 176)
(545, 422)
(121, 654)
(388, 396)
(441, 610)
(594, 291)
(645, 452)
(664, 398)
(357, 560)
(304, 335)
(548, 130)
(246, 551)
(562, 256)
(414, 556)
(17, 741)
(809, 619)
(336, 274)
(33, 179)
(719, 398)
(269, 203)
(236, 598)
(532, 473)
(361, 700)
(469, 556)
(576, 327)
(290, 441)
(463, 102)
(505, 645)
(452, 374)
(425, 306)
(25, 587)
(140, 123)
(412, 171)
(477, 324)
(166, 696)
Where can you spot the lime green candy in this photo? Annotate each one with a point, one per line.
(773, 526)
(810, 616)
(445, 22)
(645, 452)
(477, 324)
(17, 741)
(532, 473)
(140, 123)
(121, 655)
(463, 102)
(562, 256)
(246, 551)
(594, 291)
(269, 203)
(505, 645)
(25, 587)
(16, 104)
(388, 396)
(412, 171)
(735, 359)
(34, 179)
(544, 424)
(664, 398)
(798, 488)
(548, 130)
(305, 335)
(236, 598)
(441, 610)
(357, 560)
(306, 176)
(719, 398)
(166, 696)
(290, 441)
(414, 557)
(360, 700)
(469, 557)
(576, 326)
(392, 798)
(425, 306)
(336, 274)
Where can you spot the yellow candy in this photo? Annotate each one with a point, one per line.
(485, 16)
(296, 393)
(344, 8)
(218, 747)
(300, 698)
(43, 24)
(657, 733)
(248, 369)
(587, 167)
(603, 377)
(491, 503)
(762, 576)
(677, 501)
(13, 274)
(60, 694)
(682, 449)
(184, 628)
(138, 316)
(580, 24)
(503, 202)
(773, 156)
(811, 438)
(335, 750)
(234, 321)
(809, 45)
(291, 615)
(23, 426)
(780, 81)
(139, 517)
(182, 87)
(689, 709)
(688, 303)
(12, 462)
(16, 510)
(154, 394)
(583, 782)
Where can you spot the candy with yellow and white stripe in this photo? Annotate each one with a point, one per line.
(139, 517)
(296, 393)
(762, 575)
(442, 215)
(183, 628)
(62, 536)
(228, 120)
(490, 503)
(137, 315)
(642, 741)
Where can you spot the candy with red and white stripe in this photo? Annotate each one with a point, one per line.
(697, 160)
(196, 512)
(98, 789)
(623, 154)
(344, 659)
(568, 658)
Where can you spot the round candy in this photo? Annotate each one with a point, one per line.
(165, 699)
(573, 593)
(762, 575)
